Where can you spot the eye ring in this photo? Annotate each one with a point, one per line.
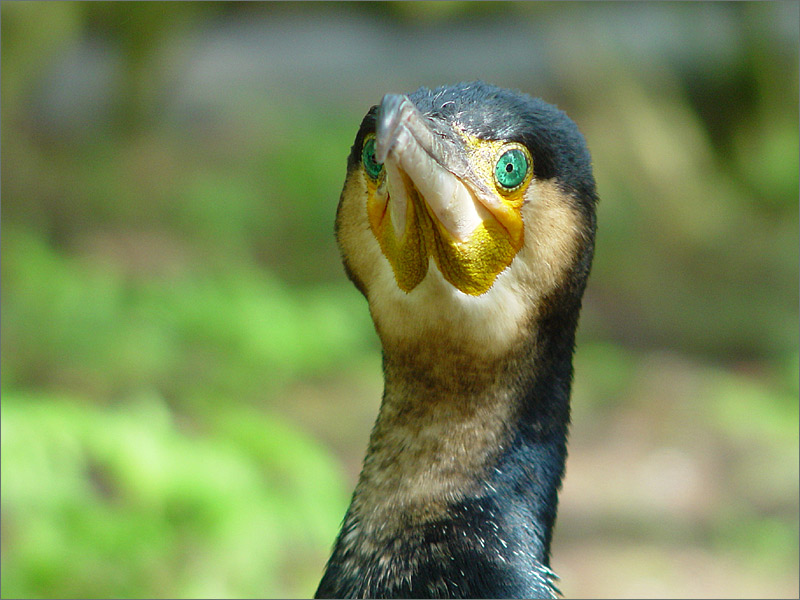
(512, 168)
(371, 166)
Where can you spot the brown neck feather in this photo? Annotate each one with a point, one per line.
(445, 416)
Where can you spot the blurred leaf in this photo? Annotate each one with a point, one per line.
(237, 332)
(149, 509)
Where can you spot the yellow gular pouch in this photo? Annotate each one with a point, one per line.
(407, 255)
(472, 264)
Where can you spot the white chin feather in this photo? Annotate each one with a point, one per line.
(489, 323)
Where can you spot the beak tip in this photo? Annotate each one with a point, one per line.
(390, 113)
(381, 152)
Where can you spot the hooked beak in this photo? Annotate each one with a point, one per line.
(430, 201)
(423, 156)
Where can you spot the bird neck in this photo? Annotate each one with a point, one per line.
(463, 469)
(454, 427)
(444, 418)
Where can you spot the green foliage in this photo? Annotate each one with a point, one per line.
(210, 332)
(130, 502)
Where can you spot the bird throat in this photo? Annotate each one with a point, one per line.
(443, 420)
(471, 266)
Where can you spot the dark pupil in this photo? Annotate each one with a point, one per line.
(509, 168)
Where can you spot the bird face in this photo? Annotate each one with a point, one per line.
(436, 193)
(455, 220)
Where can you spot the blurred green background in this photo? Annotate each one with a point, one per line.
(189, 381)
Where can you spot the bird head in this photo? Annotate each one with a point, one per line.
(466, 211)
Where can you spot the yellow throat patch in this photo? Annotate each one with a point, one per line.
(471, 265)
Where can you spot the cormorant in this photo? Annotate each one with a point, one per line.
(467, 220)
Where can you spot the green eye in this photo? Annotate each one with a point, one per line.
(372, 167)
(511, 169)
